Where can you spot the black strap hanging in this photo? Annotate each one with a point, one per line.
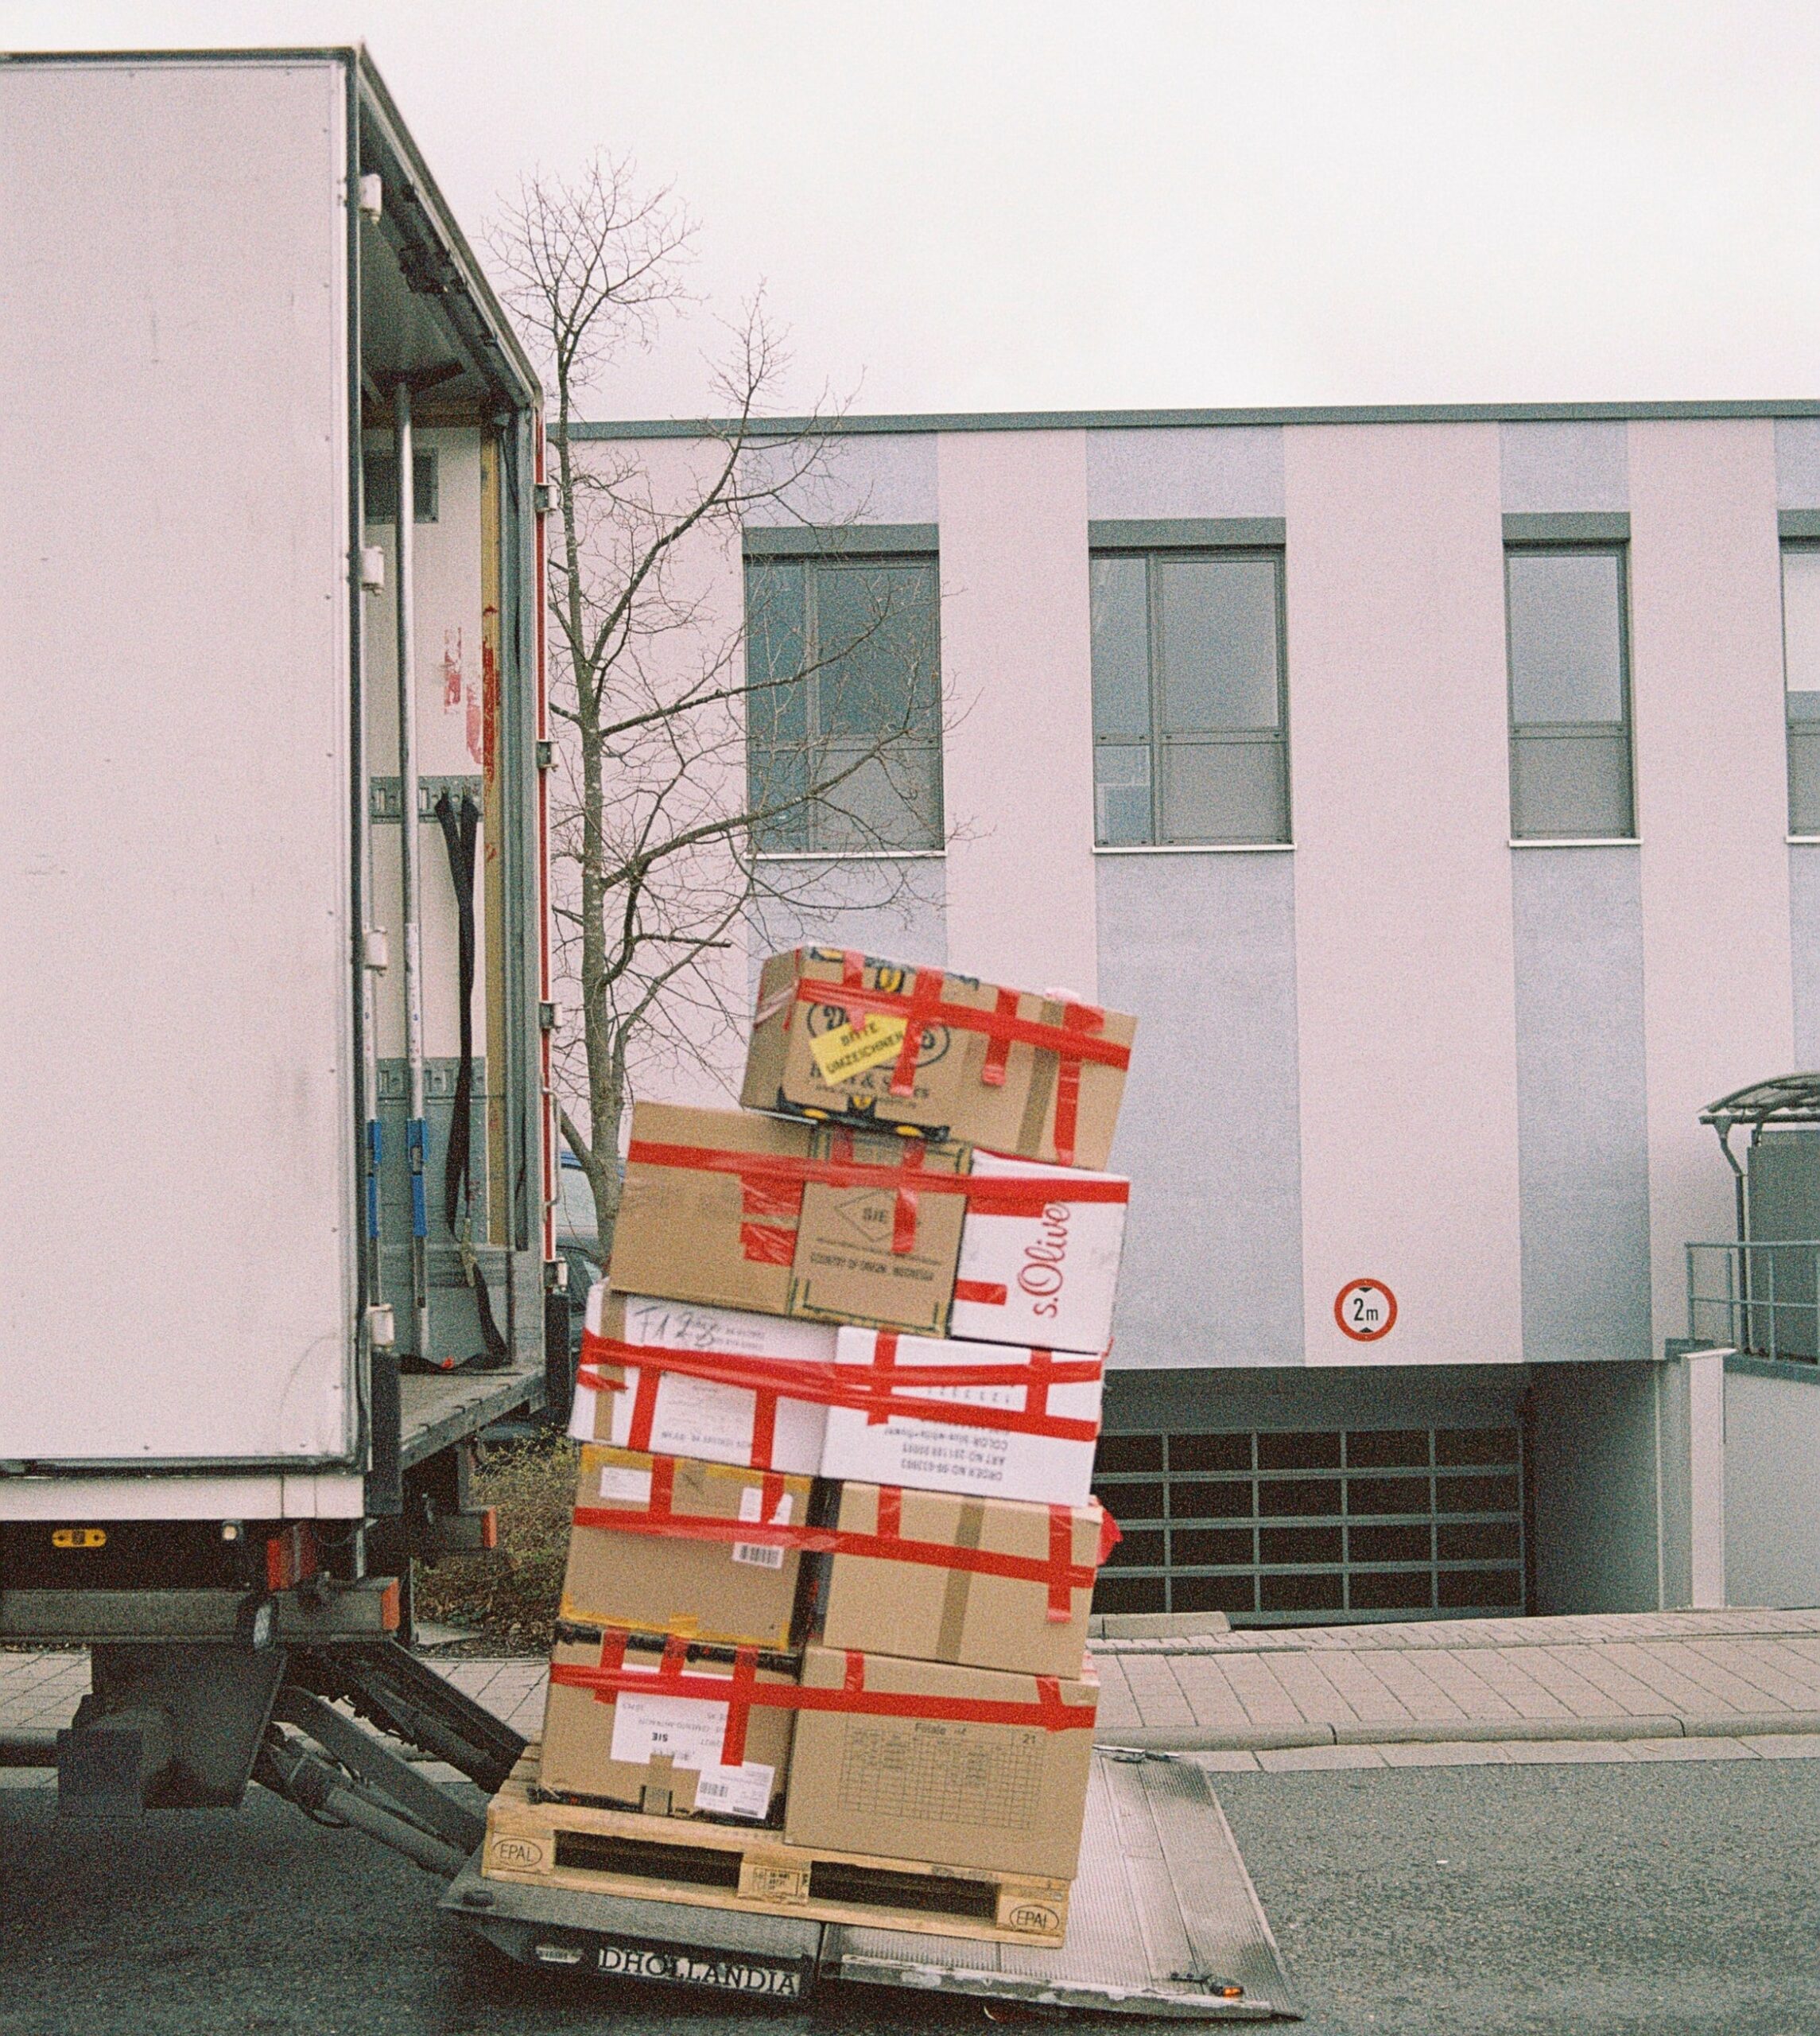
(459, 827)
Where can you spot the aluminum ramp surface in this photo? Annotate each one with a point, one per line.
(1163, 1917)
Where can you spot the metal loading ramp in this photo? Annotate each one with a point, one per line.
(1163, 1916)
(1164, 1924)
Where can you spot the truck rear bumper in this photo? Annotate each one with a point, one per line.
(305, 1617)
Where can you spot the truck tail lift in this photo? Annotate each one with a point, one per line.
(1164, 1922)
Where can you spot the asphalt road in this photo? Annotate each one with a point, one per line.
(1482, 1901)
(255, 1922)
(1657, 1900)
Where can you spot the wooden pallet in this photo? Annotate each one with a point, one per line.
(593, 1851)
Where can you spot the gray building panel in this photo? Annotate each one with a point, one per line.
(1804, 928)
(1797, 463)
(1549, 467)
(1202, 949)
(1315, 1397)
(857, 480)
(889, 906)
(1233, 471)
(1583, 1153)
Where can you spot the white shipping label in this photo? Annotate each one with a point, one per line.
(931, 1455)
(751, 1507)
(690, 1732)
(696, 1417)
(677, 1325)
(688, 1729)
(744, 1791)
(620, 1483)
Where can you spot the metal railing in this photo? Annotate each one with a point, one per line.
(1762, 1299)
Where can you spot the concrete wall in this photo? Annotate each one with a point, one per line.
(1712, 809)
(1772, 1469)
(1019, 761)
(1402, 1049)
(1582, 1105)
(1202, 948)
(1404, 958)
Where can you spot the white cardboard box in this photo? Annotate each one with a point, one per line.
(939, 1456)
(695, 1416)
(1051, 1277)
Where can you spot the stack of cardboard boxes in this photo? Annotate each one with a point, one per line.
(834, 1543)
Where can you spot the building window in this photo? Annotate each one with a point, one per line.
(1569, 692)
(1801, 670)
(1189, 702)
(843, 704)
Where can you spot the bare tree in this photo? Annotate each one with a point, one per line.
(659, 837)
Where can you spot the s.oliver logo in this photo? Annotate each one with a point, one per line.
(1041, 1275)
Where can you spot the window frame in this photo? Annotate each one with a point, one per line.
(1260, 539)
(858, 548)
(1596, 545)
(1787, 540)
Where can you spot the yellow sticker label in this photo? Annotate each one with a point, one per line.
(856, 1050)
(79, 1537)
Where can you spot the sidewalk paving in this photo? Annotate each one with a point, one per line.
(1607, 1679)
(1637, 1686)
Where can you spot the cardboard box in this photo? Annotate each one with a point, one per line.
(1045, 1277)
(743, 1593)
(884, 1607)
(814, 1052)
(760, 1240)
(1009, 1796)
(934, 1455)
(695, 1416)
(662, 1753)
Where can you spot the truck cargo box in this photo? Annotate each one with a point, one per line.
(217, 275)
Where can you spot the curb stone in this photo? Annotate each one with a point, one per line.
(1266, 1738)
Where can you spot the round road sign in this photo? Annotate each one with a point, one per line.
(1365, 1310)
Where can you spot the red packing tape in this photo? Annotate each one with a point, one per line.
(1059, 1573)
(1007, 1195)
(882, 1389)
(1077, 1040)
(1074, 1040)
(741, 1693)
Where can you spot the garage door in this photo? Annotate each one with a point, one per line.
(1277, 1528)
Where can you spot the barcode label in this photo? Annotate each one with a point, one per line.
(751, 1551)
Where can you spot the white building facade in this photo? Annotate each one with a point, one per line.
(1423, 781)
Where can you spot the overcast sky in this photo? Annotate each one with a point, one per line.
(1002, 205)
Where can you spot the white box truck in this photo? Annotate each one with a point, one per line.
(275, 1142)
